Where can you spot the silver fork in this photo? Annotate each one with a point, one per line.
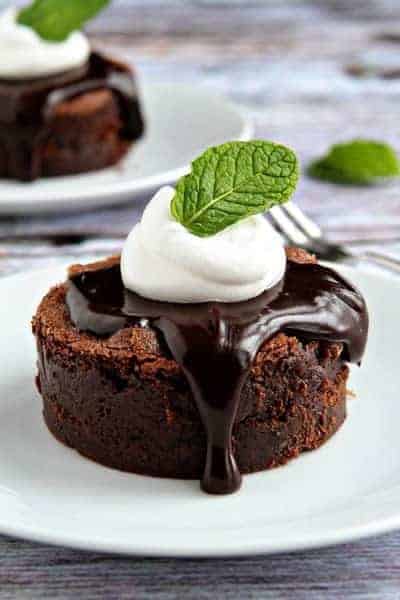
(301, 231)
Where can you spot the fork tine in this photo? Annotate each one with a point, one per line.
(308, 226)
(285, 224)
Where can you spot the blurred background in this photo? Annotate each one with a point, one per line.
(309, 74)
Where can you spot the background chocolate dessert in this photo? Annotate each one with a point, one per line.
(78, 121)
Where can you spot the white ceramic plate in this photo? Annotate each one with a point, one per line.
(182, 121)
(348, 489)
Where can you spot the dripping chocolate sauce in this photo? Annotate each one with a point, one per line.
(28, 106)
(215, 343)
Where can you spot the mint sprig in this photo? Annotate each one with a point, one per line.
(358, 161)
(54, 20)
(234, 181)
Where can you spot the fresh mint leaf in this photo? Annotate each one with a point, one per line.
(358, 161)
(54, 20)
(234, 181)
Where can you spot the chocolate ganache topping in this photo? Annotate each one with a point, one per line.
(27, 108)
(215, 343)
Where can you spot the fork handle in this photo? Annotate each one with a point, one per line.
(382, 260)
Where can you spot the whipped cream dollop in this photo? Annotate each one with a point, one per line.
(162, 260)
(25, 55)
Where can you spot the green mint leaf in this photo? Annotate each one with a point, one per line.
(54, 20)
(234, 181)
(357, 162)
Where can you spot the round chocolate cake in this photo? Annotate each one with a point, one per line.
(121, 384)
(81, 120)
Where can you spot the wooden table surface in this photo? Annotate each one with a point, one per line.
(309, 74)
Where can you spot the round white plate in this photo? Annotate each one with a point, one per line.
(348, 489)
(182, 121)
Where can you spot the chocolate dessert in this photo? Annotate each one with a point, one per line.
(113, 388)
(202, 355)
(78, 121)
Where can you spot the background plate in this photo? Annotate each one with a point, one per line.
(181, 122)
(348, 489)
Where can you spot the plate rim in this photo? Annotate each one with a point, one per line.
(178, 550)
(180, 547)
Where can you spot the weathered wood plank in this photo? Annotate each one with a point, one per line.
(367, 570)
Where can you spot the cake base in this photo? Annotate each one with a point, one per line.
(85, 135)
(124, 402)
